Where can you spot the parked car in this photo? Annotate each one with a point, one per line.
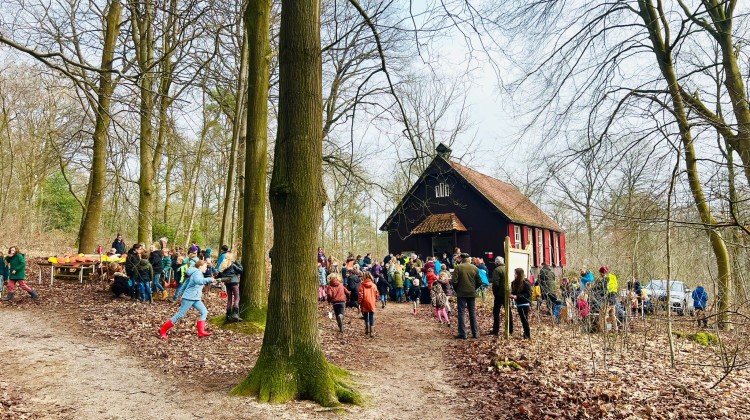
(681, 297)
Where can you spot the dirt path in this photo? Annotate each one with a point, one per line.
(62, 373)
(413, 374)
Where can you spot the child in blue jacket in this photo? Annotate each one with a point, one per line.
(191, 298)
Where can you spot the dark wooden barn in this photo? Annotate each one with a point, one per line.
(452, 205)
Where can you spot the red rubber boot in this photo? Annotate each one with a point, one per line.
(202, 329)
(165, 328)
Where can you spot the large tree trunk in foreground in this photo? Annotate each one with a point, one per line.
(291, 363)
(253, 288)
(92, 214)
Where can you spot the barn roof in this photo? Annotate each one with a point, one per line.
(506, 198)
(436, 223)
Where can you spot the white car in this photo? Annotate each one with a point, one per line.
(681, 297)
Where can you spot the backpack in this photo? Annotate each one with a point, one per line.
(536, 292)
(440, 299)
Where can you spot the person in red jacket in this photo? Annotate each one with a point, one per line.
(368, 296)
(431, 277)
(337, 296)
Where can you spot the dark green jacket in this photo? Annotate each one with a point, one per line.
(466, 280)
(498, 282)
(547, 281)
(17, 269)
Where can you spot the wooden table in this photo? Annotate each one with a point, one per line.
(69, 271)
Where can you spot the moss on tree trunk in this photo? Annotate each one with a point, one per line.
(291, 362)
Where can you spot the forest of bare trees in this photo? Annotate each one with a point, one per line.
(202, 121)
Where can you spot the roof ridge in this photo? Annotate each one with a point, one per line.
(453, 162)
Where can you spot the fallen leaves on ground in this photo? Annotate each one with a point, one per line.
(560, 373)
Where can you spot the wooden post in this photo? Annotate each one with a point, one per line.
(507, 288)
(52, 275)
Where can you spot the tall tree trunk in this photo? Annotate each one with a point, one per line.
(240, 199)
(142, 19)
(92, 213)
(651, 17)
(226, 217)
(165, 84)
(253, 289)
(291, 363)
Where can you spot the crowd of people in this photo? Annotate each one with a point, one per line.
(363, 283)
(360, 282)
(147, 275)
(595, 302)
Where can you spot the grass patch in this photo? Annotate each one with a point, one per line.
(244, 327)
(507, 364)
(702, 338)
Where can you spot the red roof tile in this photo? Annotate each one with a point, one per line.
(435, 223)
(506, 198)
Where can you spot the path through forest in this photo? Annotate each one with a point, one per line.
(62, 373)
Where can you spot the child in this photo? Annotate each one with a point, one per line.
(397, 274)
(230, 272)
(17, 274)
(166, 264)
(322, 282)
(120, 280)
(337, 296)
(191, 298)
(179, 274)
(144, 275)
(414, 293)
(439, 301)
(353, 283)
(383, 288)
(368, 295)
(156, 257)
(583, 310)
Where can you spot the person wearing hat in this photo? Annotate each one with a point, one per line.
(466, 281)
(499, 285)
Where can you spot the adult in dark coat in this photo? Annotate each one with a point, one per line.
(498, 291)
(520, 291)
(466, 281)
(155, 257)
(119, 244)
(131, 262)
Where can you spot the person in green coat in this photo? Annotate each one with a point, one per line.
(466, 281)
(17, 274)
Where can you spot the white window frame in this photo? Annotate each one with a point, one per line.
(442, 190)
(540, 245)
(517, 234)
(557, 249)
